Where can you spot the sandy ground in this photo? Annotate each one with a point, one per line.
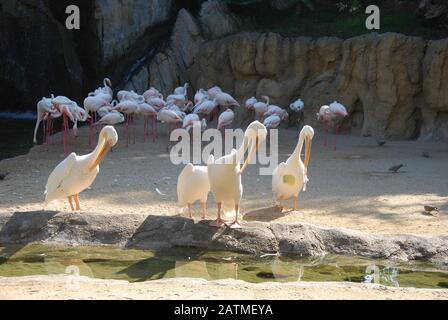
(350, 187)
(70, 287)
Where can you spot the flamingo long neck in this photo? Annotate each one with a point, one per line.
(296, 155)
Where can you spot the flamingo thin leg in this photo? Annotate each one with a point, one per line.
(336, 138)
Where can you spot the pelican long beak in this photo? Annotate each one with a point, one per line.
(252, 152)
(104, 150)
(308, 152)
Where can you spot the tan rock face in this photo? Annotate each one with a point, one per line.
(435, 91)
(375, 76)
(393, 85)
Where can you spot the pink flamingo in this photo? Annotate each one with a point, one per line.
(332, 115)
(129, 108)
(62, 104)
(226, 119)
(44, 108)
(148, 112)
(92, 104)
(261, 107)
(171, 118)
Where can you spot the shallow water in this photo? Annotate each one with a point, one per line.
(145, 265)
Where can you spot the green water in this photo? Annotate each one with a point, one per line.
(145, 265)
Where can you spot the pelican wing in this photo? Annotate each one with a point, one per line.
(62, 171)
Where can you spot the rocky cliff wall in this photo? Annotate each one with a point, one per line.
(392, 84)
(40, 56)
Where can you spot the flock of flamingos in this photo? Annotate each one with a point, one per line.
(222, 176)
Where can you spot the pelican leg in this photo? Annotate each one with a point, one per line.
(204, 210)
(235, 224)
(78, 207)
(296, 203)
(218, 222)
(70, 200)
(189, 211)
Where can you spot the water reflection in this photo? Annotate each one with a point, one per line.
(144, 265)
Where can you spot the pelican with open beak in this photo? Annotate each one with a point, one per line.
(225, 173)
(291, 177)
(77, 173)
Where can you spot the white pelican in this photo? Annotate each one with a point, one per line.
(290, 177)
(193, 186)
(76, 173)
(225, 173)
